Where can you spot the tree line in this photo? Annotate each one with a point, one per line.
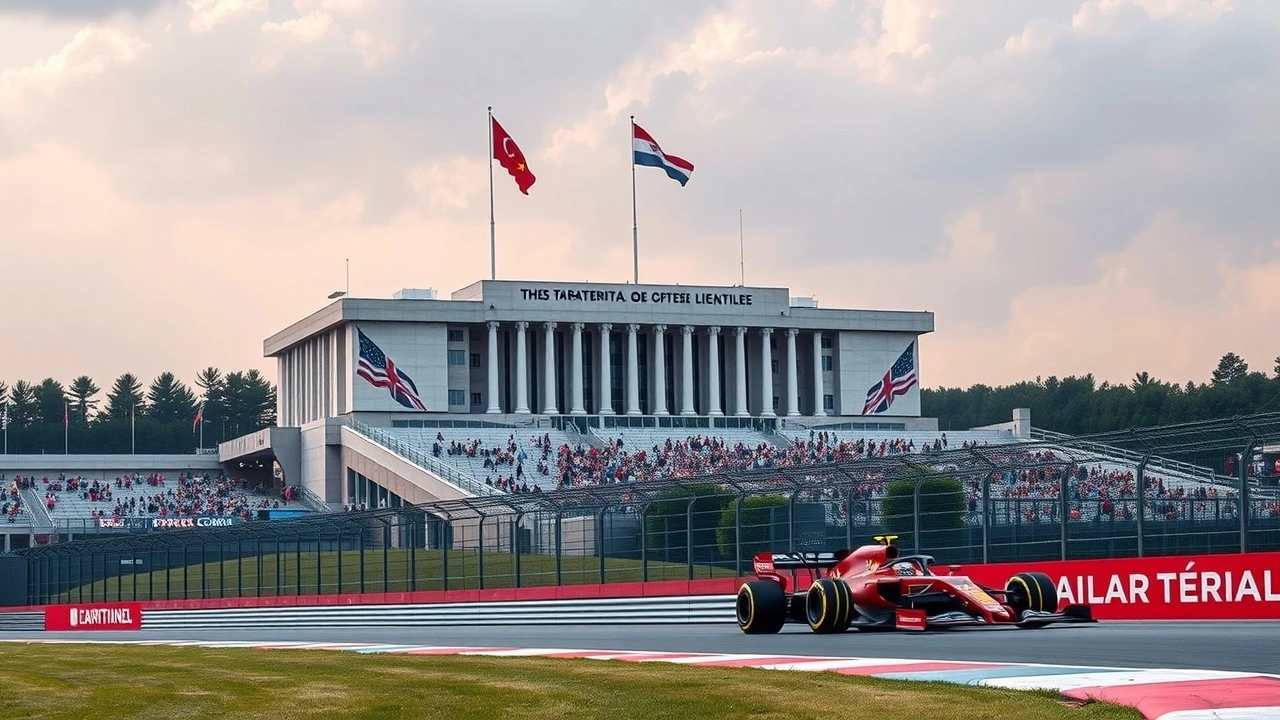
(1080, 405)
(161, 419)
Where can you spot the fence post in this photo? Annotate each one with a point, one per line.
(1063, 487)
(688, 538)
(360, 557)
(1243, 471)
(915, 517)
(446, 539)
(480, 549)
(644, 543)
(340, 565)
(559, 540)
(413, 552)
(386, 553)
(985, 515)
(515, 545)
(1140, 487)
(737, 535)
(600, 543)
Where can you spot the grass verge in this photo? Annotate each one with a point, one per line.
(72, 682)
(351, 571)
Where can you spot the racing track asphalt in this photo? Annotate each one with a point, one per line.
(1240, 646)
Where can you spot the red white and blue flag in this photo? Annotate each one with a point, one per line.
(382, 372)
(648, 153)
(900, 378)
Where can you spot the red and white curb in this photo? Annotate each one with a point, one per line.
(1157, 694)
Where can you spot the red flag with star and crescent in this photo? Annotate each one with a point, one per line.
(508, 155)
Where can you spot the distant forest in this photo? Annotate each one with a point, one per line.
(160, 419)
(1079, 405)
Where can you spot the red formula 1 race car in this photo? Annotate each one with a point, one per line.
(876, 588)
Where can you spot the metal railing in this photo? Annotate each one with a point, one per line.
(420, 457)
(1119, 454)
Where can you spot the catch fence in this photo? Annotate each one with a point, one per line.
(1023, 502)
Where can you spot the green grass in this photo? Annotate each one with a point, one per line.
(239, 578)
(73, 682)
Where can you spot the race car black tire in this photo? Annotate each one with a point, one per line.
(828, 606)
(761, 607)
(1031, 591)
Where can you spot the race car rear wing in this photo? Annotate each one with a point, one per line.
(769, 562)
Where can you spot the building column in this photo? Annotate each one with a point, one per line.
(740, 372)
(633, 369)
(494, 405)
(818, 410)
(792, 404)
(575, 370)
(659, 370)
(686, 377)
(713, 371)
(766, 374)
(605, 406)
(549, 362)
(522, 370)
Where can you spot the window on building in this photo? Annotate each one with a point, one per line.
(457, 357)
(475, 398)
(475, 360)
(774, 364)
(826, 363)
(775, 403)
(828, 402)
(457, 397)
(826, 343)
(773, 343)
(456, 335)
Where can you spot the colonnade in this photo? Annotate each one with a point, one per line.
(735, 399)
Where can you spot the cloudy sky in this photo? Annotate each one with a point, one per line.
(1070, 185)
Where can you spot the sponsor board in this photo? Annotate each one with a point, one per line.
(192, 522)
(1196, 587)
(97, 616)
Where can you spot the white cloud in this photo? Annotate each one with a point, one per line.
(308, 28)
(208, 14)
(1072, 185)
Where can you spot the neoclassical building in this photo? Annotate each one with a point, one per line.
(505, 349)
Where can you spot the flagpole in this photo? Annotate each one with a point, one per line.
(635, 231)
(742, 256)
(66, 428)
(133, 435)
(493, 232)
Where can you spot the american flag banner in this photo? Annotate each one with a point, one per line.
(896, 382)
(382, 372)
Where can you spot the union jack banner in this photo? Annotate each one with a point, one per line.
(382, 372)
(896, 382)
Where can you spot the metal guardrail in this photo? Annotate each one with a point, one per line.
(420, 458)
(596, 611)
(21, 621)
(35, 508)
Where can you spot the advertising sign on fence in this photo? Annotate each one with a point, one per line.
(98, 616)
(1188, 587)
(204, 521)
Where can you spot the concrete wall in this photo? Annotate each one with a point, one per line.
(865, 357)
(105, 464)
(417, 349)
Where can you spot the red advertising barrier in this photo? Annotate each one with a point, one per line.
(1195, 587)
(100, 616)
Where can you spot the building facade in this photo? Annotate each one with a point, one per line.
(511, 348)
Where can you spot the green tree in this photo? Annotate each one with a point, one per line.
(82, 391)
(757, 521)
(213, 393)
(22, 398)
(170, 401)
(51, 401)
(125, 397)
(1275, 371)
(4, 393)
(250, 402)
(1230, 367)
